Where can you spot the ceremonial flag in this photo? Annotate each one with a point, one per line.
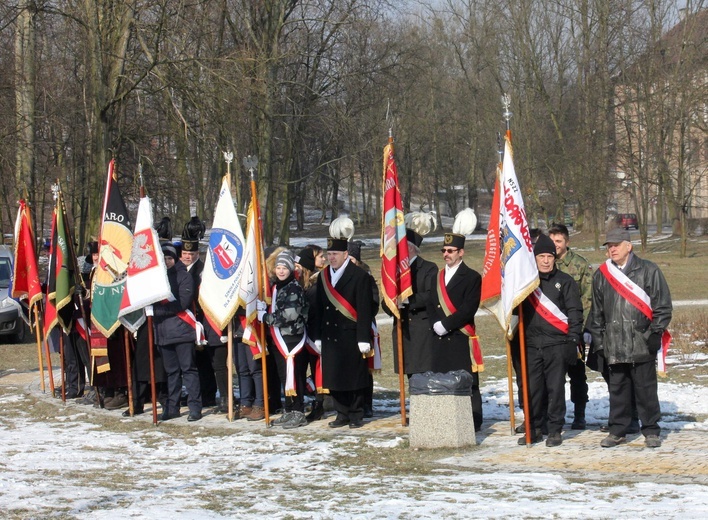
(219, 290)
(395, 267)
(50, 311)
(146, 275)
(25, 278)
(250, 284)
(510, 272)
(114, 247)
(62, 274)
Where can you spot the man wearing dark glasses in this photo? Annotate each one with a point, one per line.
(453, 305)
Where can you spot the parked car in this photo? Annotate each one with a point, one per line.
(627, 221)
(12, 326)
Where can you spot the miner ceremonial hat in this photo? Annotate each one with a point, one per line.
(92, 249)
(191, 234)
(454, 240)
(340, 231)
(617, 235)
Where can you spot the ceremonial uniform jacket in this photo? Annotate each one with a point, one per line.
(415, 324)
(452, 351)
(619, 327)
(170, 329)
(343, 366)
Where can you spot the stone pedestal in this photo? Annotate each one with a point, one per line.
(441, 421)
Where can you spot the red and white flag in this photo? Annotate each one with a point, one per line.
(146, 282)
(25, 279)
(221, 277)
(510, 273)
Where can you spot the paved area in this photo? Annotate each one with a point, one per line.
(682, 458)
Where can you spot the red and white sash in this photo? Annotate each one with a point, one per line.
(343, 306)
(187, 316)
(288, 354)
(469, 330)
(319, 385)
(548, 310)
(639, 299)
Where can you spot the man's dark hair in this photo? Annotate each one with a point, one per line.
(559, 229)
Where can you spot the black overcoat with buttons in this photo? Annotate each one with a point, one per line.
(452, 351)
(343, 367)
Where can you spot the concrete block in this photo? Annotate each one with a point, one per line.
(441, 421)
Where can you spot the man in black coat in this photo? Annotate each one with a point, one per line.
(415, 326)
(452, 329)
(553, 322)
(343, 317)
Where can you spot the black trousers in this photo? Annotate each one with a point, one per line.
(349, 404)
(250, 377)
(207, 379)
(578, 384)
(218, 355)
(477, 414)
(74, 367)
(640, 378)
(546, 368)
(179, 364)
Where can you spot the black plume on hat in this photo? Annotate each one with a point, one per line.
(194, 229)
(544, 244)
(164, 228)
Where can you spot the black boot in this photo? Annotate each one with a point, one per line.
(223, 406)
(316, 413)
(579, 417)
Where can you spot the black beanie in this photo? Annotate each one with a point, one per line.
(307, 259)
(544, 244)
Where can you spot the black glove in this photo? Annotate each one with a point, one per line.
(654, 343)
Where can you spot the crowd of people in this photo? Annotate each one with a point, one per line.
(322, 338)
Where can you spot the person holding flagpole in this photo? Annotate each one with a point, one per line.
(631, 311)
(175, 337)
(553, 321)
(452, 308)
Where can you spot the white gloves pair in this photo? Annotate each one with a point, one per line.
(439, 329)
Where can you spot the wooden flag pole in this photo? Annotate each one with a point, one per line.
(524, 377)
(230, 369)
(512, 417)
(129, 371)
(38, 335)
(401, 375)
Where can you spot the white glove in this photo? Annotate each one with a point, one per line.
(260, 314)
(318, 346)
(587, 338)
(439, 329)
(224, 339)
(364, 347)
(261, 305)
(149, 311)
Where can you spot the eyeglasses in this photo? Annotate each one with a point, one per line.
(449, 250)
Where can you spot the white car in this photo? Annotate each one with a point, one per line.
(12, 326)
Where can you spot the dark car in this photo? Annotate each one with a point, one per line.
(12, 326)
(627, 221)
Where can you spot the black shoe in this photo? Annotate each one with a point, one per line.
(605, 428)
(295, 420)
(354, 424)
(634, 426)
(194, 416)
(536, 436)
(223, 405)
(578, 424)
(316, 413)
(136, 411)
(520, 428)
(282, 419)
(652, 441)
(554, 439)
(166, 416)
(368, 412)
(339, 422)
(611, 441)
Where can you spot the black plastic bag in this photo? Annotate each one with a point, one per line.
(458, 382)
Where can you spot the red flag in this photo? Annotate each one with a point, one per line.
(491, 269)
(395, 267)
(25, 279)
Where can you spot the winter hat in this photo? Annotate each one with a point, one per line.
(92, 249)
(169, 250)
(307, 259)
(354, 249)
(285, 258)
(544, 244)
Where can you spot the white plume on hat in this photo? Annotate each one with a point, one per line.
(421, 222)
(465, 222)
(341, 228)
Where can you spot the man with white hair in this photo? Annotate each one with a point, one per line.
(631, 310)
